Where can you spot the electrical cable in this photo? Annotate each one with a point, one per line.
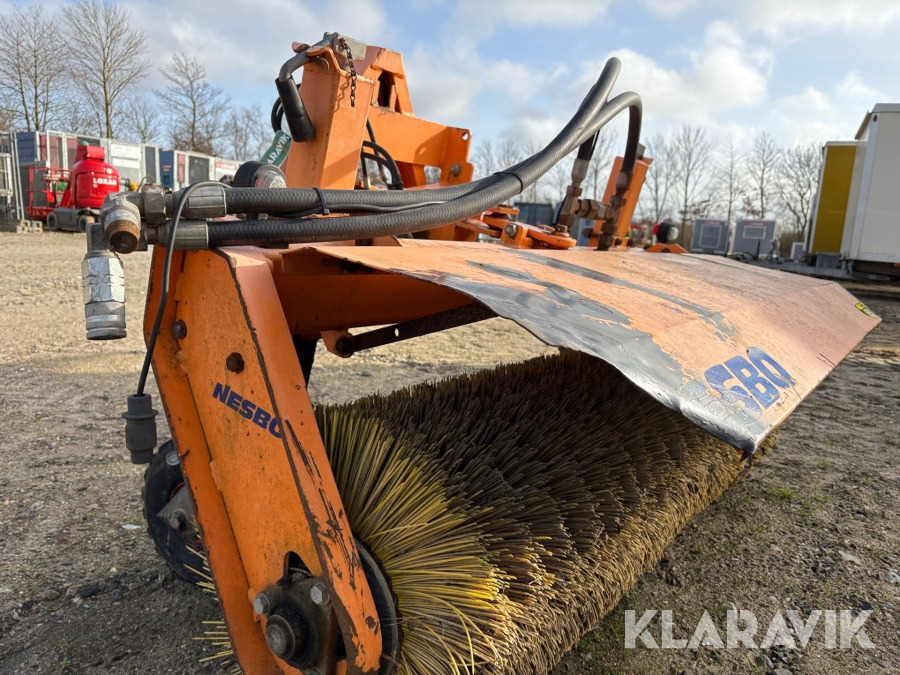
(372, 138)
(390, 164)
(166, 273)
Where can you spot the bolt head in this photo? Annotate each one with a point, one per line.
(319, 594)
(234, 362)
(511, 230)
(261, 604)
(179, 330)
(278, 638)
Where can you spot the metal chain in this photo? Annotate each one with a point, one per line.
(345, 48)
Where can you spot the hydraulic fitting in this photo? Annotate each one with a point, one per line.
(121, 221)
(259, 175)
(103, 288)
(207, 201)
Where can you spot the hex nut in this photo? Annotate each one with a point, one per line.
(319, 594)
(261, 604)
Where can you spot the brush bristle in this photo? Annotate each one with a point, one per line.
(511, 509)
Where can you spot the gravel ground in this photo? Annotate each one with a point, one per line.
(82, 591)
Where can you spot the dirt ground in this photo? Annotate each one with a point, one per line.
(82, 590)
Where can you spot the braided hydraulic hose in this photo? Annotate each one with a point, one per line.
(504, 186)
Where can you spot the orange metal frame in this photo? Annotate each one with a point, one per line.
(233, 387)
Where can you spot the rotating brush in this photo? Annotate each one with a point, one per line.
(511, 509)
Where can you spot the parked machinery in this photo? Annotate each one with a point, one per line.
(89, 181)
(480, 524)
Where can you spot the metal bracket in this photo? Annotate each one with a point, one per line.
(346, 345)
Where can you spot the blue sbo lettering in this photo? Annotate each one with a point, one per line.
(751, 382)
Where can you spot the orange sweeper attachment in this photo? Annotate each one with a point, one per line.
(478, 524)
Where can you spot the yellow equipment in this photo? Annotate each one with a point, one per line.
(480, 524)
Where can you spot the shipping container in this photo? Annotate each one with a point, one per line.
(710, 236)
(871, 236)
(830, 208)
(753, 238)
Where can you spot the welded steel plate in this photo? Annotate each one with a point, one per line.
(733, 347)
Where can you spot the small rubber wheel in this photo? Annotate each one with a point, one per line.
(52, 222)
(162, 481)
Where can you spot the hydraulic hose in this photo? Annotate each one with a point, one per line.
(292, 200)
(427, 217)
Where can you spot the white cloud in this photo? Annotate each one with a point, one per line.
(808, 116)
(670, 8)
(532, 12)
(791, 19)
(480, 18)
(444, 88)
(810, 100)
(439, 90)
(247, 52)
(723, 75)
(853, 87)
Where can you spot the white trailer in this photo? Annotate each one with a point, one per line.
(871, 238)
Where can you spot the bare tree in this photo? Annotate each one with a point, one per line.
(508, 153)
(76, 117)
(198, 108)
(6, 119)
(106, 57)
(798, 177)
(560, 177)
(484, 159)
(142, 119)
(601, 160)
(511, 153)
(729, 183)
(248, 132)
(31, 51)
(660, 179)
(691, 150)
(762, 164)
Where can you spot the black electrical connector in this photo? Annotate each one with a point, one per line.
(140, 428)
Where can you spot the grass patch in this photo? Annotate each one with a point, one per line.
(780, 493)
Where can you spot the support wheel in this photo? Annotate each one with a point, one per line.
(171, 515)
(52, 222)
(84, 221)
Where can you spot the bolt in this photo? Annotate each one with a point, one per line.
(179, 330)
(511, 231)
(261, 604)
(344, 346)
(319, 594)
(278, 638)
(172, 458)
(234, 362)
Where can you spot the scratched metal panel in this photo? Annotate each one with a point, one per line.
(733, 347)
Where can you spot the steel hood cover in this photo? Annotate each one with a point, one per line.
(733, 347)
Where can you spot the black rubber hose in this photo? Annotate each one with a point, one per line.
(292, 200)
(383, 157)
(363, 227)
(276, 115)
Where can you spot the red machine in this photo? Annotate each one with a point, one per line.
(88, 182)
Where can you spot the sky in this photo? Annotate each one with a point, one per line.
(800, 70)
